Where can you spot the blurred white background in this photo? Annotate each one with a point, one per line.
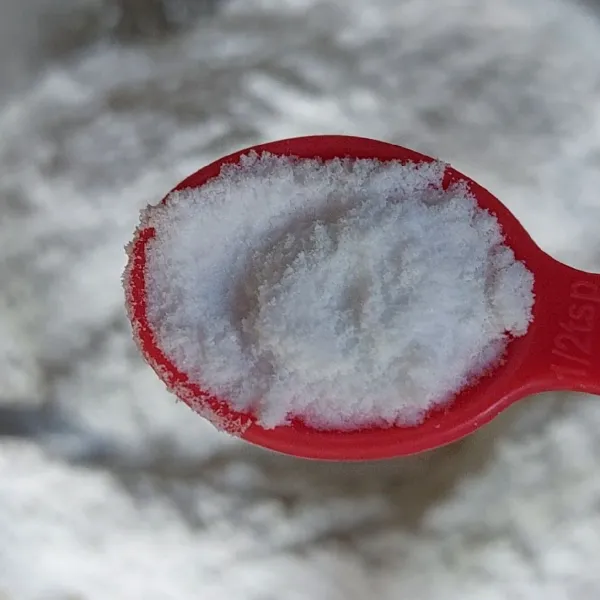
(108, 488)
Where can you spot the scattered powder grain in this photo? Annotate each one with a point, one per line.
(348, 293)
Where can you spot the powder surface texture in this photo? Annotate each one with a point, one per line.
(346, 293)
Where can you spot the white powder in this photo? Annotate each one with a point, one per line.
(346, 293)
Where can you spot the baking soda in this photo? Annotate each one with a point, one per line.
(348, 293)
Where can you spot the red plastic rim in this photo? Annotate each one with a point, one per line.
(469, 410)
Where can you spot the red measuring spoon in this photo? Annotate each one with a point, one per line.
(561, 350)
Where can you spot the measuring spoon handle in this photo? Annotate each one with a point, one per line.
(565, 352)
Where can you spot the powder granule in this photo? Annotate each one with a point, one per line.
(348, 293)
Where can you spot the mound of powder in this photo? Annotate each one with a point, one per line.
(347, 293)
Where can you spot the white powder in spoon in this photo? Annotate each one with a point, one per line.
(347, 293)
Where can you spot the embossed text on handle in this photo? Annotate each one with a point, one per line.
(573, 344)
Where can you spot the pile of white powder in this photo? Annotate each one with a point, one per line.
(347, 293)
